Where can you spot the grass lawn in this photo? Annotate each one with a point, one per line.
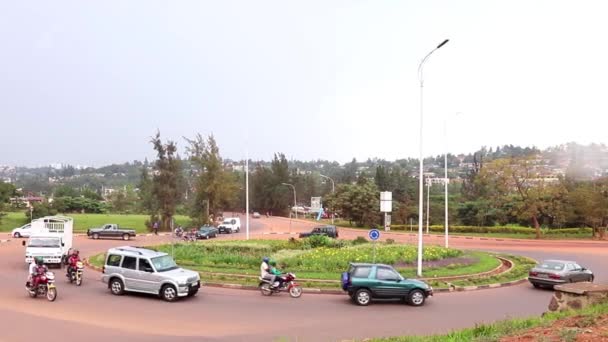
(585, 321)
(84, 221)
(321, 266)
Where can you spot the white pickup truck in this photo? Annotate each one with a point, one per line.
(51, 239)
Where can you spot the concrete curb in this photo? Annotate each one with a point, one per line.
(279, 233)
(4, 241)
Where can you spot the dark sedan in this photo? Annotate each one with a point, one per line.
(557, 272)
(206, 232)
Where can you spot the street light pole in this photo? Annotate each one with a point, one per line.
(446, 180)
(420, 180)
(333, 190)
(295, 205)
(247, 195)
(428, 202)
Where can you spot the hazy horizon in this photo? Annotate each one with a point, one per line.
(89, 83)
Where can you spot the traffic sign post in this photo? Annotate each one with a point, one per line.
(386, 206)
(374, 234)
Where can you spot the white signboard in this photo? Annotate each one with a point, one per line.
(315, 204)
(386, 201)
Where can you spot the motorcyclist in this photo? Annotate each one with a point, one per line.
(276, 273)
(37, 269)
(265, 271)
(73, 259)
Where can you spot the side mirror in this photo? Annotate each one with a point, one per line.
(583, 268)
(63, 244)
(22, 243)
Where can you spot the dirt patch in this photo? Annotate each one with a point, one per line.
(459, 261)
(574, 329)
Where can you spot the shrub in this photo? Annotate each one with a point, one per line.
(390, 241)
(359, 241)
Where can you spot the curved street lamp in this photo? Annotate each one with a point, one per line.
(333, 190)
(295, 205)
(420, 177)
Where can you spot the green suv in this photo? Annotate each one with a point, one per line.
(365, 282)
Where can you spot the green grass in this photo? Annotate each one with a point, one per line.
(231, 259)
(84, 221)
(495, 331)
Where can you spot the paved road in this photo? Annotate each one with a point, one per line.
(91, 313)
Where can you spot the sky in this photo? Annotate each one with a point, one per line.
(89, 83)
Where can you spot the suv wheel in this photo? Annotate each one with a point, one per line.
(416, 298)
(17, 235)
(125, 237)
(117, 287)
(363, 297)
(95, 236)
(168, 293)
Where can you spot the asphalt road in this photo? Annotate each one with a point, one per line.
(91, 313)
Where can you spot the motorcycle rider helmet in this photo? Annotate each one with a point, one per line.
(75, 252)
(266, 259)
(39, 261)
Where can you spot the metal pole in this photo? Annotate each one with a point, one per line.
(428, 202)
(247, 195)
(445, 179)
(421, 161)
(295, 202)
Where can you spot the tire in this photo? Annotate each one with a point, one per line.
(17, 235)
(363, 297)
(168, 293)
(265, 289)
(536, 286)
(117, 287)
(207, 237)
(295, 292)
(79, 281)
(416, 298)
(591, 279)
(126, 237)
(51, 294)
(95, 236)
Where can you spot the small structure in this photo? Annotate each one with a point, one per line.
(577, 296)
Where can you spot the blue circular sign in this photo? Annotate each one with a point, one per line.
(374, 234)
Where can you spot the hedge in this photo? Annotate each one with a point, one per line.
(501, 230)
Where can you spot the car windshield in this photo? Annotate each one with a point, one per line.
(164, 263)
(45, 242)
(227, 222)
(205, 230)
(552, 265)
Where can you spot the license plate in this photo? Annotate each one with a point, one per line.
(542, 276)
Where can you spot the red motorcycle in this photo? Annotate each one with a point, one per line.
(46, 287)
(288, 284)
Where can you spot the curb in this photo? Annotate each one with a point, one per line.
(279, 233)
(4, 241)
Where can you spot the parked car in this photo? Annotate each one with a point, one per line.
(557, 272)
(230, 225)
(23, 231)
(136, 269)
(111, 231)
(364, 282)
(330, 231)
(206, 232)
(256, 214)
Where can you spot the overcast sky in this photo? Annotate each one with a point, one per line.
(86, 82)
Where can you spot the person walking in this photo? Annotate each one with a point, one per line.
(155, 227)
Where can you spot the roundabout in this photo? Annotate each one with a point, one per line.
(217, 314)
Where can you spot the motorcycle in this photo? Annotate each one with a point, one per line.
(75, 275)
(289, 284)
(46, 287)
(179, 232)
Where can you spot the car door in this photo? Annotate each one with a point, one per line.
(128, 269)
(147, 278)
(571, 275)
(388, 283)
(580, 274)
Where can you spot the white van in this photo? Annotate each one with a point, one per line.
(230, 225)
(51, 239)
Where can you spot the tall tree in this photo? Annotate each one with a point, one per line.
(146, 199)
(167, 180)
(215, 189)
(7, 190)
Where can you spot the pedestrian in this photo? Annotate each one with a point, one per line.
(155, 227)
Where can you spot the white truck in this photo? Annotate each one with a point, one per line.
(51, 239)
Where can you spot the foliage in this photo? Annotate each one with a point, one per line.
(357, 202)
(7, 190)
(214, 188)
(167, 180)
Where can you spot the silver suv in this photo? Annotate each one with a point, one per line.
(143, 270)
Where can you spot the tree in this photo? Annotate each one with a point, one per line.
(357, 203)
(590, 203)
(146, 200)
(166, 180)
(65, 191)
(214, 188)
(7, 190)
(515, 183)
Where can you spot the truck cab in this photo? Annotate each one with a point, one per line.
(51, 239)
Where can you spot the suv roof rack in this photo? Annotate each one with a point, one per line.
(128, 249)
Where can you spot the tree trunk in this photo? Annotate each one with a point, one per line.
(536, 226)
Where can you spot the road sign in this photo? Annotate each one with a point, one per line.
(386, 201)
(374, 234)
(315, 204)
